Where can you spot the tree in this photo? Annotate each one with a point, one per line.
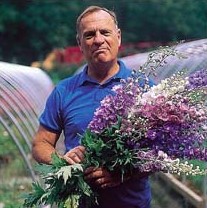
(35, 27)
(31, 29)
(164, 20)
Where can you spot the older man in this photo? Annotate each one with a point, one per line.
(71, 106)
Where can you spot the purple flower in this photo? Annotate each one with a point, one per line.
(197, 79)
(115, 106)
(172, 124)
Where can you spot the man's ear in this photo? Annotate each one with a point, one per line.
(119, 36)
(78, 41)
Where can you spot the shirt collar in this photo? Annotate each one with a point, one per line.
(123, 73)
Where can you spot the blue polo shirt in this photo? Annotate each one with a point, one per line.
(70, 108)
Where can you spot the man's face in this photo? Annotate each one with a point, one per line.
(99, 37)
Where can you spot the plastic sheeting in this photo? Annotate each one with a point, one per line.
(23, 93)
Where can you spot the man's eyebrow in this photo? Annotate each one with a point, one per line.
(101, 29)
(89, 32)
(106, 30)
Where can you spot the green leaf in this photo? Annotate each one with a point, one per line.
(34, 198)
(44, 169)
(58, 162)
(66, 172)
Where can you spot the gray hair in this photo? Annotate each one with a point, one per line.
(92, 9)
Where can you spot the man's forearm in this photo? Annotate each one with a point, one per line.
(42, 152)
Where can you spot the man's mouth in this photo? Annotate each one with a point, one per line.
(99, 50)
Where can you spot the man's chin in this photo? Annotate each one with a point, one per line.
(100, 56)
(101, 59)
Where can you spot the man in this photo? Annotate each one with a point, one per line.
(71, 106)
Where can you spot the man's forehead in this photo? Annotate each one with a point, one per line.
(98, 17)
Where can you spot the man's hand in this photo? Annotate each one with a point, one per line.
(75, 155)
(101, 178)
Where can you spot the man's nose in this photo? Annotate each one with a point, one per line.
(98, 39)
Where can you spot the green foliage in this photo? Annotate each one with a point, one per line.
(31, 29)
(7, 146)
(35, 28)
(10, 192)
(197, 183)
(161, 20)
(38, 193)
(61, 71)
(62, 181)
(109, 153)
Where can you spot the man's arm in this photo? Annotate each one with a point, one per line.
(44, 145)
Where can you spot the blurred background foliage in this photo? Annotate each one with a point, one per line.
(30, 29)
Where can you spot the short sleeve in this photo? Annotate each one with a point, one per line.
(51, 117)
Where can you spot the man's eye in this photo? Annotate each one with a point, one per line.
(106, 33)
(88, 35)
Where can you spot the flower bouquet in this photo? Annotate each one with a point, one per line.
(139, 129)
